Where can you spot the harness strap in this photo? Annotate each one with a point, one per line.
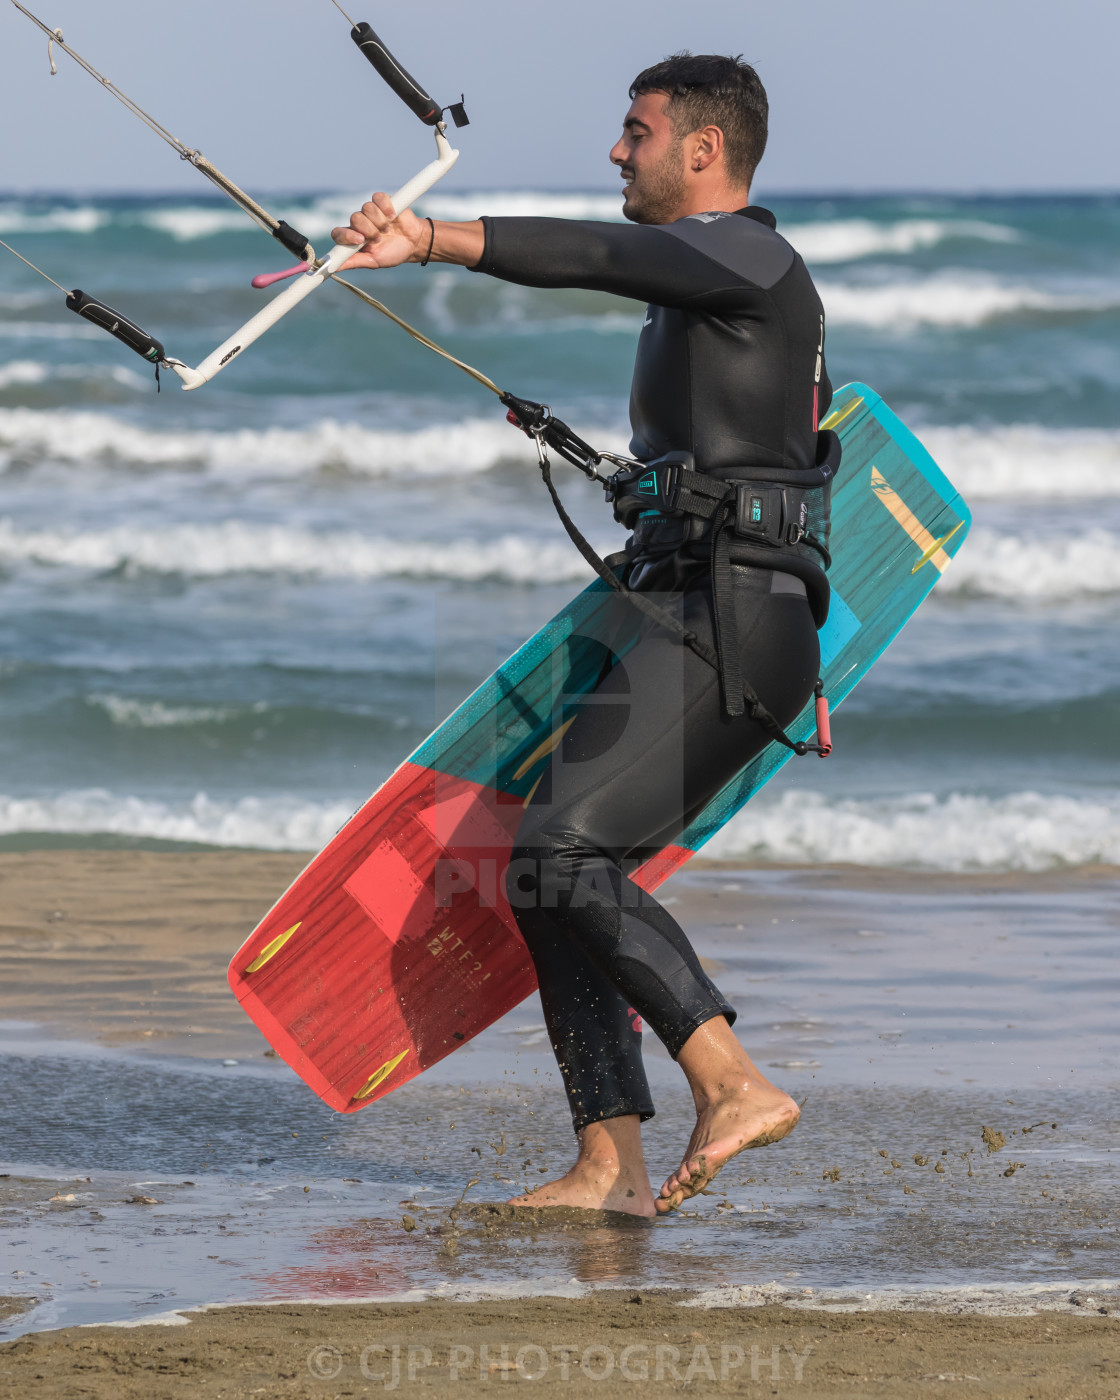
(727, 624)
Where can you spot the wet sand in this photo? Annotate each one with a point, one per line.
(131, 947)
(620, 1343)
(127, 950)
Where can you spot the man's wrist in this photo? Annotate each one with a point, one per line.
(462, 244)
(426, 259)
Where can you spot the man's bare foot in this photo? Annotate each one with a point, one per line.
(736, 1108)
(609, 1174)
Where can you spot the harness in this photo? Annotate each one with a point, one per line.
(775, 519)
(768, 521)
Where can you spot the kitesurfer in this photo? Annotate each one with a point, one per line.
(730, 382)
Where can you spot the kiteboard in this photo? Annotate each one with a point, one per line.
(397, 944)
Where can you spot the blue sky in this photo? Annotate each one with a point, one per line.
(959, 95)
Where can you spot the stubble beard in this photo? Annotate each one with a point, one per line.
(658, 193)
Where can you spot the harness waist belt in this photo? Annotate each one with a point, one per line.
(766, 516)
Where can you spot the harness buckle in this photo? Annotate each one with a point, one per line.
(772, 515)
(636, 490)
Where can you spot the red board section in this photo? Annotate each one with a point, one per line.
(397, 943)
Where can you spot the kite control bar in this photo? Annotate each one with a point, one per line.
(307, 281)
(313, 278)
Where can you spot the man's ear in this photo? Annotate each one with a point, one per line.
(707, 146)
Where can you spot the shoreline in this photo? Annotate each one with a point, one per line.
(606, 1344)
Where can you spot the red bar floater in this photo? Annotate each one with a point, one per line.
(266, 279)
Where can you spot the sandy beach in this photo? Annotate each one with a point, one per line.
(151, 1139)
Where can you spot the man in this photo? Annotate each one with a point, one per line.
(729, 381)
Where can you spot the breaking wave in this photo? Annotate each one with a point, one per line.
(131, 713)
(445, 449)
(1024, 831)
(1036, 569)
(1006, 463)
(233, 547)
(16, 218)
(848, 240)
(990, 564)
(1027, 461)
(270, 824)
(951, 298)
(316, 219)
(960, 832)
(18, 374)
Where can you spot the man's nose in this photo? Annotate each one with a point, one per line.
(618, 152)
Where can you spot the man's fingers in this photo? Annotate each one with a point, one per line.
(371, 216)
(367, 223)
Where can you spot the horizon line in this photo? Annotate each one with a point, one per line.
(791, 192)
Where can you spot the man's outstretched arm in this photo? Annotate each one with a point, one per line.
(644, 262)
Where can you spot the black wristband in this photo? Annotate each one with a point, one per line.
(424, 261)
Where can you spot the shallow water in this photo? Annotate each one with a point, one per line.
(907, 1018)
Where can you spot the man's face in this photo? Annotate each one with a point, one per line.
(651, 161)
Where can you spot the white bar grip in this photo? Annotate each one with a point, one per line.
(303, 286)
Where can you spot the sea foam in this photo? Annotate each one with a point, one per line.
(1026, 460)
(984, 463)
(990, 564)
(1036, 568)
(234, 547)
(848, 240)
(17, 373)
(1026, 831)
(17, 218)
(444, 449)
(950, 299)
(129, 712)
(958, 832)
(271, 824)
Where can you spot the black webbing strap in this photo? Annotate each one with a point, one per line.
(723, 600)
(700, 494)
(749, 702)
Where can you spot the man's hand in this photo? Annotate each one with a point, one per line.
(382, 237)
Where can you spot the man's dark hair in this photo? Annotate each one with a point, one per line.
(707, 89)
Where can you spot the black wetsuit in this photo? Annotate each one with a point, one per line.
(730, 368)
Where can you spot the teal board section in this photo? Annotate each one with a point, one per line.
(897, 521)
(888, 490)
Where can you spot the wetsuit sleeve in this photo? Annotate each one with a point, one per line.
(631, 260)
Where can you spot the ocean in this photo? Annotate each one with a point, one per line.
(225, 617)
